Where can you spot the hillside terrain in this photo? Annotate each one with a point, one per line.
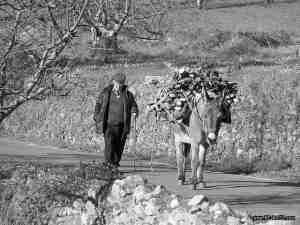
(254, 45)
(51, 157)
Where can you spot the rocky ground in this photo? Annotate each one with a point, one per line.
(88, 194)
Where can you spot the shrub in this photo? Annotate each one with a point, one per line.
(35, 191)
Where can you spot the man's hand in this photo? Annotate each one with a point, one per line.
(99, 128)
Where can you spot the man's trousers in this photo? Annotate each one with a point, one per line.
(115, 139)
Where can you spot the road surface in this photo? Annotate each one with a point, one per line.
(257, 196)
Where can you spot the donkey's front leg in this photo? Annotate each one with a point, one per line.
(194, 164)
(180, 162)
(200, 169)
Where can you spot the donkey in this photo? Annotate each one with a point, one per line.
(198, 133)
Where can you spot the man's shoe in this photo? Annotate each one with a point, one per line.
(107, 165)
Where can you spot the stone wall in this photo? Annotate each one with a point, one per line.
(91, 195)
(133, 201)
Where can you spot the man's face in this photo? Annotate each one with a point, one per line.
(117, 85)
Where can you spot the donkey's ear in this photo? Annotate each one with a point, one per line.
(204, 94)
(198, 97)
(223, 96)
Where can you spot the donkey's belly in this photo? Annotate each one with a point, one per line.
(182, 137)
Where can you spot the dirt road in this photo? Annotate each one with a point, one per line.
(256, 195)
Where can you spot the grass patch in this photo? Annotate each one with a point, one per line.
(34, 191)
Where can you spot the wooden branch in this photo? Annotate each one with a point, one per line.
(53, 20)
(12, 6)
(48, 56)
(144, 38)
(8, 91)
(13, 39)
(101, 27)
(144, 17)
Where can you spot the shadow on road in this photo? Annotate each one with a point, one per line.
(263, 199)
(238, 184)
(246, 4)
(225, 5)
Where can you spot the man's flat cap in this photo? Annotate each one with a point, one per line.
(120, 77)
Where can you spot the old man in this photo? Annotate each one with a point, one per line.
(114, 109)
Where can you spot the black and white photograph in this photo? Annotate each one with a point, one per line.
(149, 112)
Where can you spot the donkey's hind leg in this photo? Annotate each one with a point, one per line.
(185, 153)
(180, 162)
(200, 169)
(194, 164)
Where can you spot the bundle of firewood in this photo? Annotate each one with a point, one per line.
(187, 83)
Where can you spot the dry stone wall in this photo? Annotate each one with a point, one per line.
(134, 201)
(89, 195)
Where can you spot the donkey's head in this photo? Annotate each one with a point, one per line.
(211, 112)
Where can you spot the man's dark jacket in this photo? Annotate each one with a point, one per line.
(102, 104)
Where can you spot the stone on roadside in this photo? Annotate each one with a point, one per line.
(119, 190)
(134, 181)
(140, 193)
(139, 210)
(220, 207)
(180, 216)
(205, 206)
(233, 220)
(197, 200)
(67, 220)
(195, 209)
(159, 189)
(174, 203)
(151, 207)
(95, 188)
(89, 216)
(90, 208)
(78, 204)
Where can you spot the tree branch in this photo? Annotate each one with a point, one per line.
(53, 20)
(13, 38)
(32, 91)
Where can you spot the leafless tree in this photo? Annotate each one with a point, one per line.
(142, 19)
(33, 34)
(268, 2)
(201, 3)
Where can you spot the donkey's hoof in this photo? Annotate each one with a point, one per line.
(194, 183)
(194, 187)
(181, 180)
(202, 184)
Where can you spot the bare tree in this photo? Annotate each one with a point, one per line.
(139, 19)
(268, 2)
(201, 3)
(33, 34)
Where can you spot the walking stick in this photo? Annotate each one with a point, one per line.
(134, 141)
(155, 141)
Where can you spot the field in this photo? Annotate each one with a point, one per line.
(253, 45)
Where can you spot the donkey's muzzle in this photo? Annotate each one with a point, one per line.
(212, 137)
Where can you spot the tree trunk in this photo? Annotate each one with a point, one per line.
(2, 117)
(261, 134)
(109, 44)
(200, 4)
